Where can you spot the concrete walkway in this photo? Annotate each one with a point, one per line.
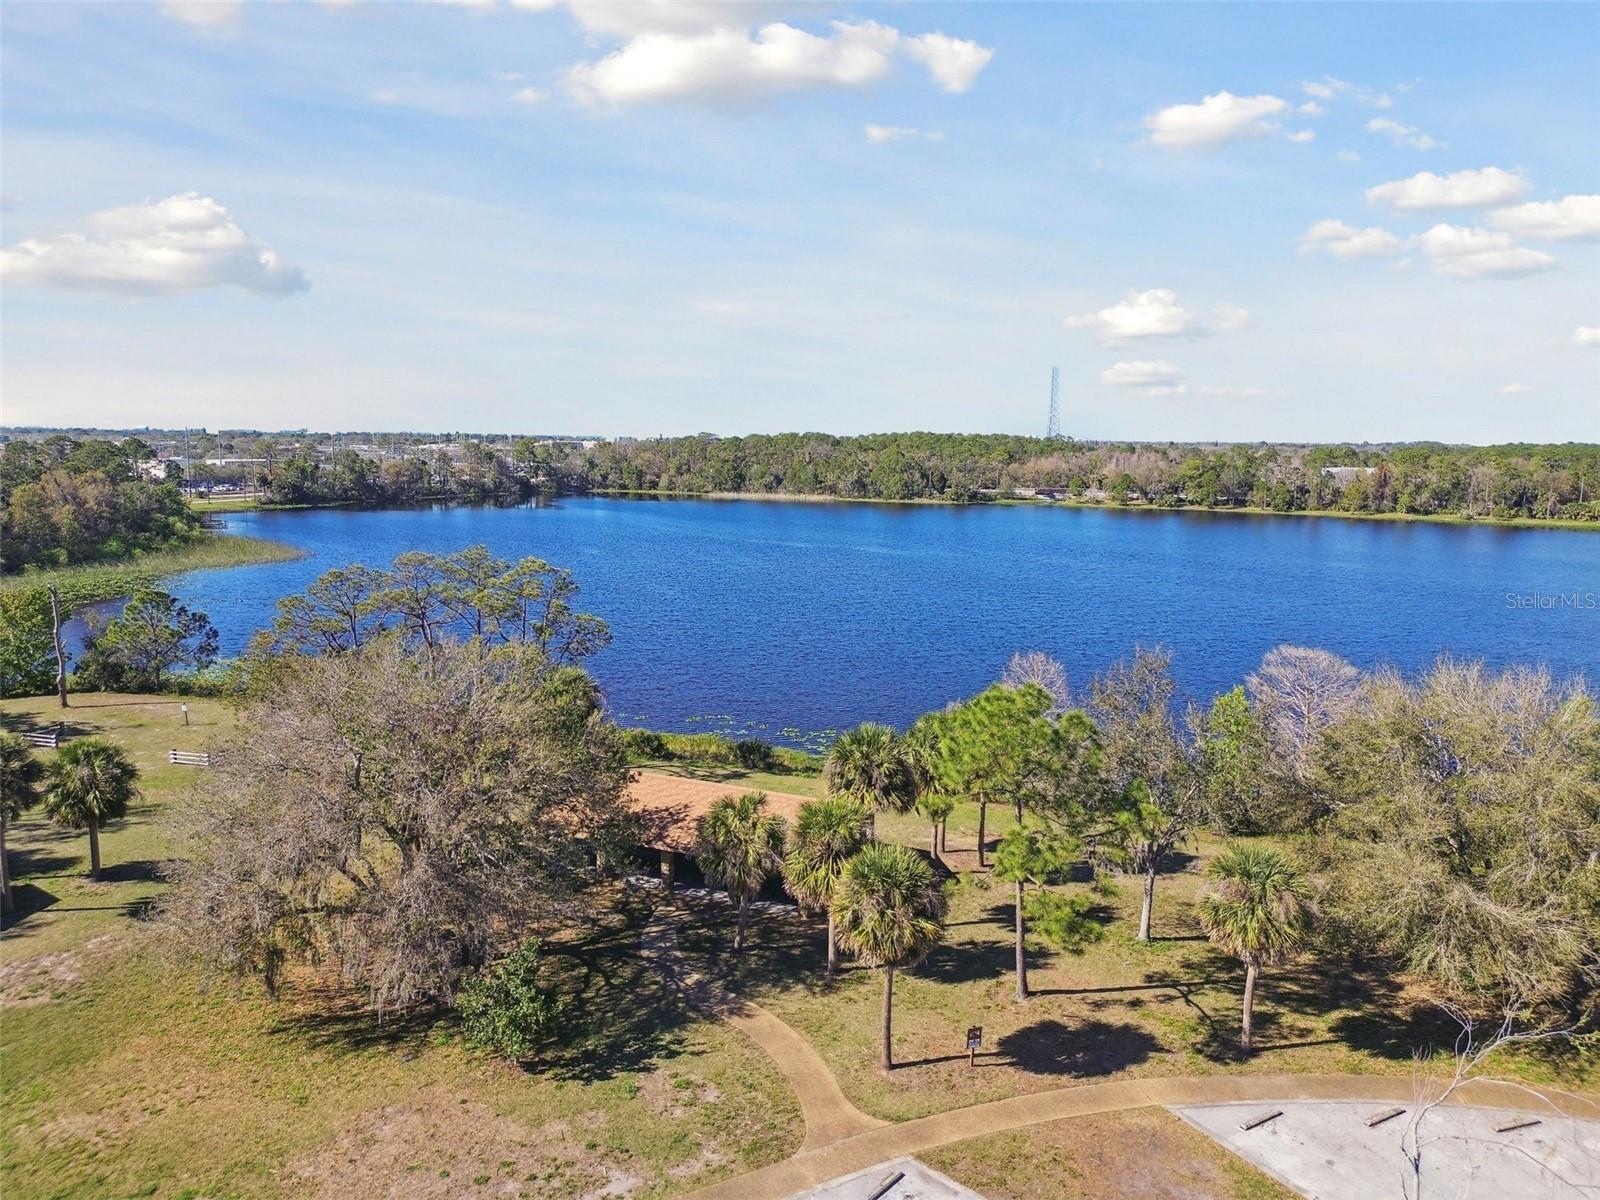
(840, 1138)
(813, 1165)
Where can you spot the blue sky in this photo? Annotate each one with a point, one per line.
(1232, 222)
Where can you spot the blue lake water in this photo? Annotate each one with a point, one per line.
(771, 616)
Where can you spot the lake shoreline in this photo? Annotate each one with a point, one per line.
(91, 583)
(1182, 510)
(247, 505)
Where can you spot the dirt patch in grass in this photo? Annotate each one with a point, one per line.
(144, 1080)
(1146, 1153)
(440, 1145)
(47, 977)
(37, 980)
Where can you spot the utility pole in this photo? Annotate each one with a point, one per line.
(1052, 429)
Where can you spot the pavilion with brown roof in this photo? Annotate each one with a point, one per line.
(674, 804)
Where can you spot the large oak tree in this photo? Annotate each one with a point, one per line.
(401, 810)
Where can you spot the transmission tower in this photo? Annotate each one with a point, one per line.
(1052, 432)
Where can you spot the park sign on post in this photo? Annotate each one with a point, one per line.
(974, 1040)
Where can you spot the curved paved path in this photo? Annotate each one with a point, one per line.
(829, 1116)
(818, 1165)
(840, 1138)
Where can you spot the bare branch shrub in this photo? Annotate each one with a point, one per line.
(400, 811)
(1038, 668)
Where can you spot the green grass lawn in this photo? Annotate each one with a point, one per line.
(1120, 1008)
(58, 907)
(124, 1074)
(121, 1074)
(1147, 1152)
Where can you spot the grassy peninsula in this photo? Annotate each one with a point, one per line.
(87, 583)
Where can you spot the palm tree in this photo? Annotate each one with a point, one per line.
(870, 763)
(889, 910)
(88, 783)
(1257, 909)
(739, 846)
(825, 834)
(936, 807)
(20, 773)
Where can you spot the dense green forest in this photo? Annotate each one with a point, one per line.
(1530, 481)
(63, 502)
(59, 509)
(349, 477)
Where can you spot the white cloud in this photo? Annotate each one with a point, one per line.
(528, 95)
(1216, 119)
(1329, 88)
(1466, 253)
(1515, 389)
(954, 63)
(1403, 135)
(1464, 189)
(733, 66)
(1229, 318)
(1150, 378)
(1552, 220)
(1156, 313)
(1311, 109)
(1349, 156)
(1347, 242)
(179, 244)
(214, 16)
(1587, 336)
(880, 134)
(678, 17)
(1303, 135)
(1153, 313)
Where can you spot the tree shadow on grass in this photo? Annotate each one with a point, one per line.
(619, 1011)
(1083, 1050)
(968, 962)
(325, 1017)
(1327, 1000)
(42, 862)
(33, 900)
(30, 899)
(784, 948)
(144, 870)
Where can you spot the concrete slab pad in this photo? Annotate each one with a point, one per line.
(1327, 1150)
(897, 1179)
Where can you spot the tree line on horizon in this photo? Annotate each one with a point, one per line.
(65, 512)
(1533, 481)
